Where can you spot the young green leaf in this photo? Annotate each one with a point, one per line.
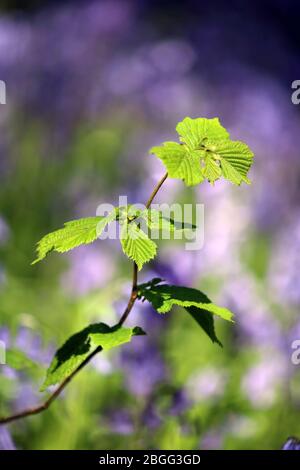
(205, 152)
(235, 159)
(180, 161)
(156, 220)
(73, 234)
(137, 227)
(79, 346)
(164, 296)
(192, 132)
(136, 244)
(211, 168)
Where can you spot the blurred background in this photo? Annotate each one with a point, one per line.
(91, 86)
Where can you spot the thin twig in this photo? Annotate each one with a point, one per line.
(55, 394)
(133, 296)
(155, 190)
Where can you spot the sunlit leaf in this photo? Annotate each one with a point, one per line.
(73, 234)
(79, 346)
(163, 297)
(205, 153)
(136, 244)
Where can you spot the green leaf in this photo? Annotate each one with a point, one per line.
(211, 168)
(137, 227)
(193, 131)
(156, 220)
(79, 346)
(136, 244)
(235, 159)
(73, 234)
(181, 162)
(205, 152)
(164, 296)
(206, 321)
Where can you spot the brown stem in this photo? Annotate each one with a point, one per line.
(155, 190)
(133, 296)
(55, 394)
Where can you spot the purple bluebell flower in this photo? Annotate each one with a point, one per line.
(180, 402)
(120, 422)
(6, 441)
(143, 369)
(150, 417)
(291, 444)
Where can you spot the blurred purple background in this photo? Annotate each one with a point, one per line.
(91, 86)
